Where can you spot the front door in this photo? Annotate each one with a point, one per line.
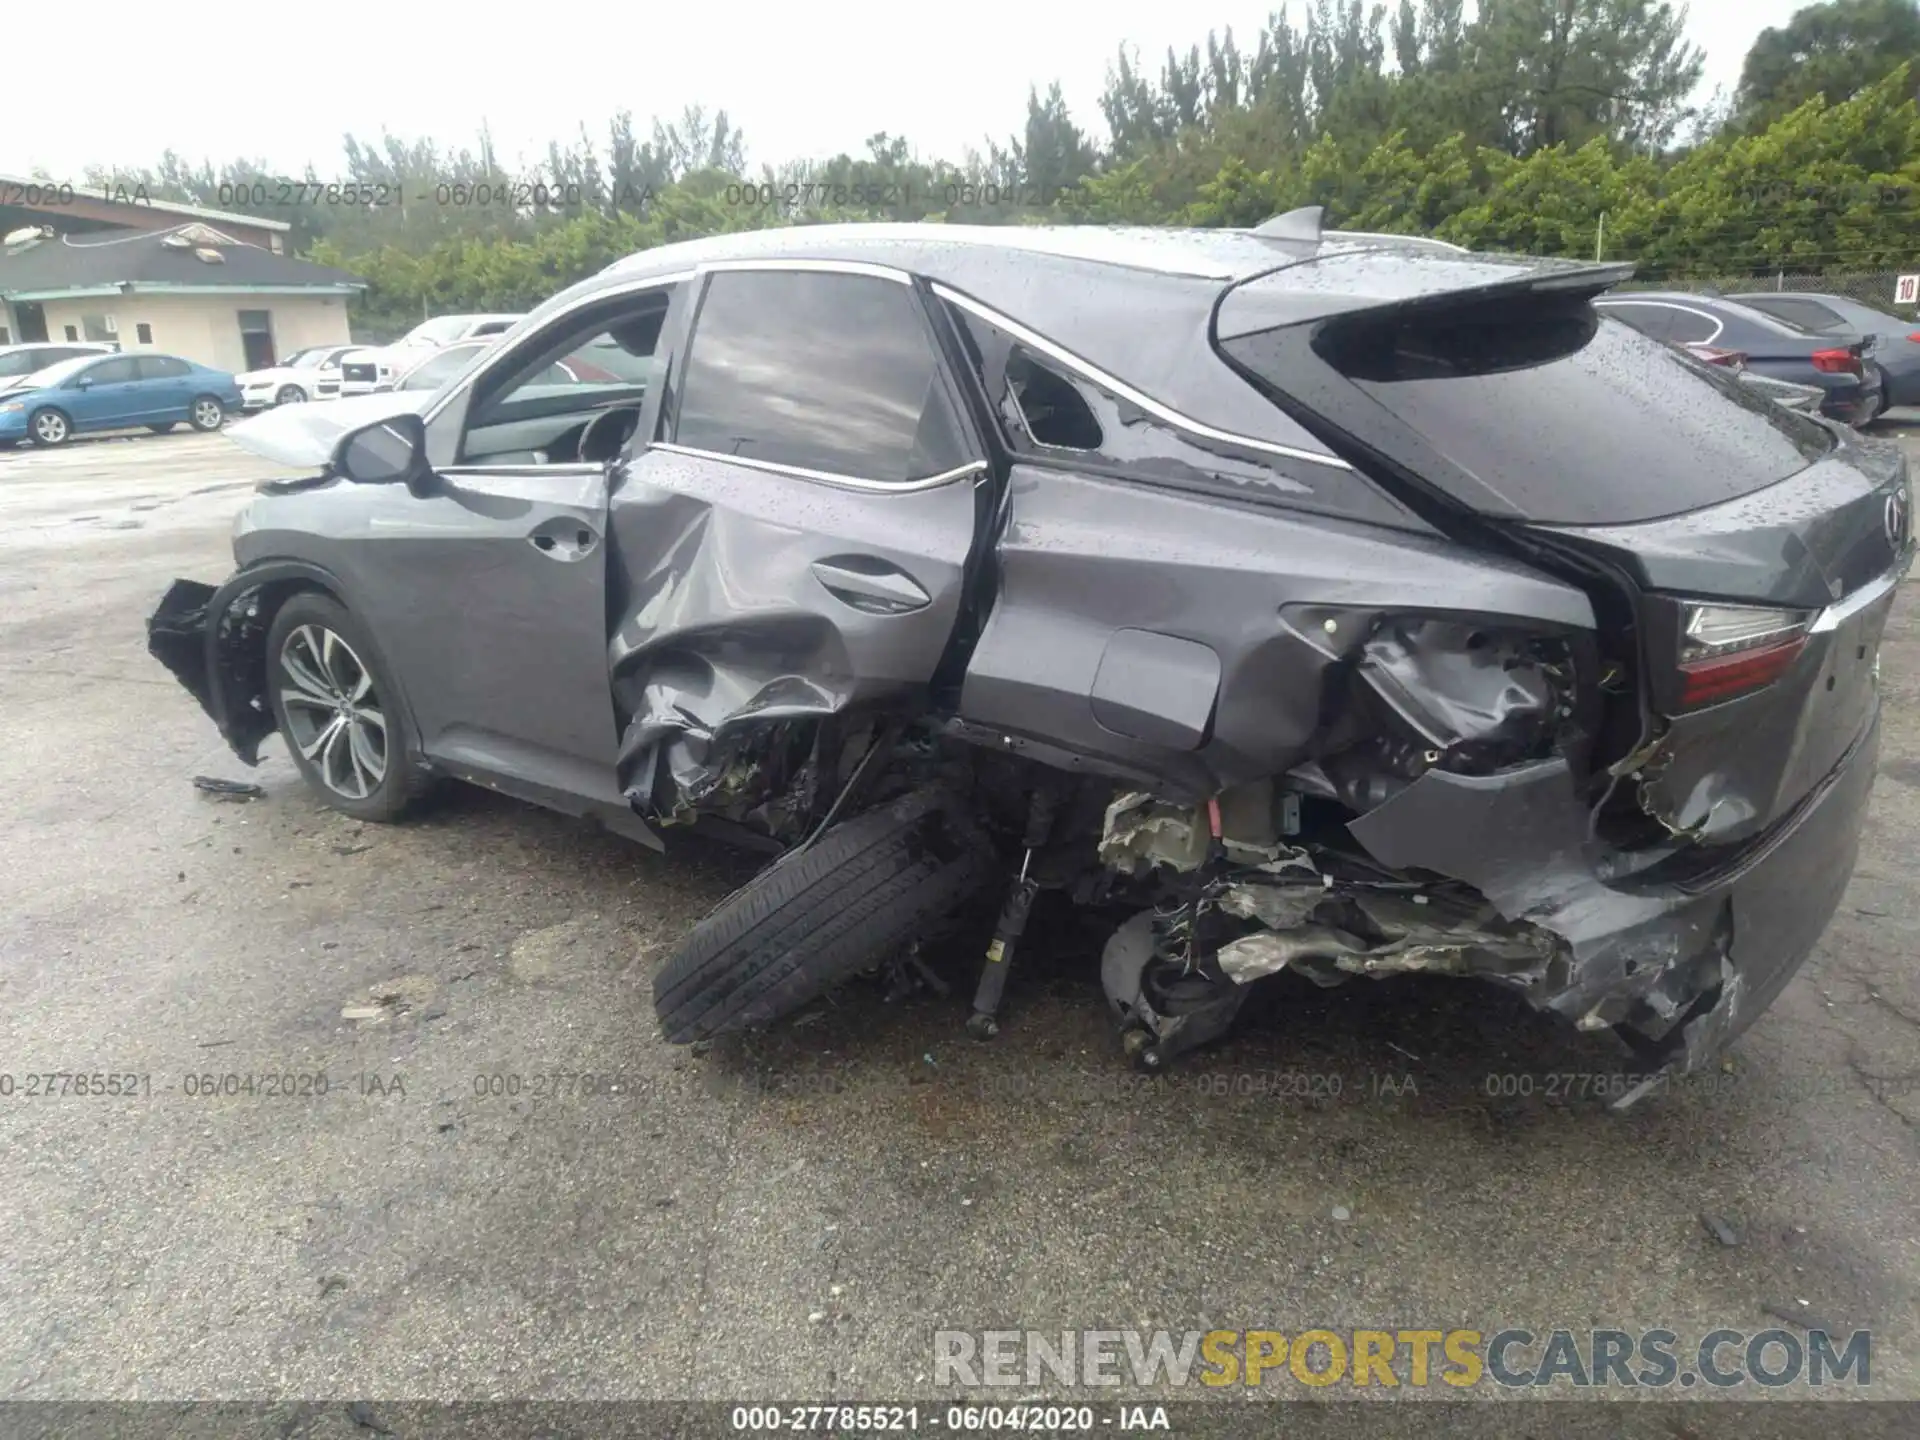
(32, 319)
(106, 395)
(799, 540)
(491, 591)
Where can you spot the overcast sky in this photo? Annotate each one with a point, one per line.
(283, 83)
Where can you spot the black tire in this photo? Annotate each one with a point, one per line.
(328, 773)
(165, 427)
(44, 432)
(205, 413)
(820, 917)
(289, 395)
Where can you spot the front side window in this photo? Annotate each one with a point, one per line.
(112, 372)
(532, 404)
(826, 372)
(161, 367)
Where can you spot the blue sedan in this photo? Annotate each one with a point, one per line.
(115, 392)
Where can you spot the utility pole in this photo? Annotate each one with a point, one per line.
(1600, 236)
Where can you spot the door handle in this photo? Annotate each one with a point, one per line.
(871, 585)
(564, 539)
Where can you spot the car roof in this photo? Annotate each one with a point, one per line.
(1133, 302)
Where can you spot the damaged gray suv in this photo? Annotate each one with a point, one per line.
(1305, 603)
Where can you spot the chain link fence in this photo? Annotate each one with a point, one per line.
(1870, 287)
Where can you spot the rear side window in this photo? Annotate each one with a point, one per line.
(1653, 320)
(1691, 327)
(818, 371)
(1566, 416)
(1807, 314)
(161, 367)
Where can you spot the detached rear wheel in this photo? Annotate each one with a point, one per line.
(820, 917)
(337, 709)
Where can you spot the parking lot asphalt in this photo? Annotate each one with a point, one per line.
(792, 1216)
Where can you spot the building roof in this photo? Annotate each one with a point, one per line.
(185, 259)
(19, 184)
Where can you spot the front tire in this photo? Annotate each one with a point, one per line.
(289, 395)
(815, 919)
(206, 413)
(50, 427)
(339, 710)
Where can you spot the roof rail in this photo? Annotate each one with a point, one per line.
(1302, 225)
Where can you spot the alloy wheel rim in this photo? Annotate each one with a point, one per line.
(207, 413)
(332, 711)
(291, 395)
(50, 428)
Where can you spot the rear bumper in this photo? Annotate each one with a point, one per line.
(1676, 970)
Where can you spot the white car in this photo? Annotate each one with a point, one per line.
(380, 367)
(19, 361)
(311, 374)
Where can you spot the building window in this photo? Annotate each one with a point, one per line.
(98, 327)
(72, 333)
(6, 336)
(144, 333)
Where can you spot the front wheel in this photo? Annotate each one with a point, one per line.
(338, 709)
(50, 427)
(289, 395)
(207, 413)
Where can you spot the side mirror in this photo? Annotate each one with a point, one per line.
(387, 452)
(83, 382)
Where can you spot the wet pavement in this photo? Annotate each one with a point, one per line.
(411, 1186)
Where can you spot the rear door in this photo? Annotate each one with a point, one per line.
(797, 540)
(165, 385)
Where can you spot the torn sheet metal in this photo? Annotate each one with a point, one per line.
(1679, 968)
(1377, 935)
(1462, 688)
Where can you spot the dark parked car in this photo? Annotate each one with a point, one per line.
(1335, 607)
(115, 392)
(1771, 347)
(1896, 347)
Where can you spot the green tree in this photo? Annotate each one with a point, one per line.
(1834, 50)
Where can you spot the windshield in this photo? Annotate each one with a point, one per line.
(305, 359)
(55, 373)
(443, 331)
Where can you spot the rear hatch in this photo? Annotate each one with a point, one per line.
(1751, 552)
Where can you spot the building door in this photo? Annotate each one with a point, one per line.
(256, 338)
(33, 321)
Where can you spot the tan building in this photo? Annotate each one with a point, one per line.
(216, 289)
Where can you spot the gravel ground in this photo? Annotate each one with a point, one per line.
(790, 1217)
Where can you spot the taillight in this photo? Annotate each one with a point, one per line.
(1836, 362)
(1915, 337)
(1729, 650)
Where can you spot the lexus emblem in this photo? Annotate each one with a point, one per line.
(1896, 518)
